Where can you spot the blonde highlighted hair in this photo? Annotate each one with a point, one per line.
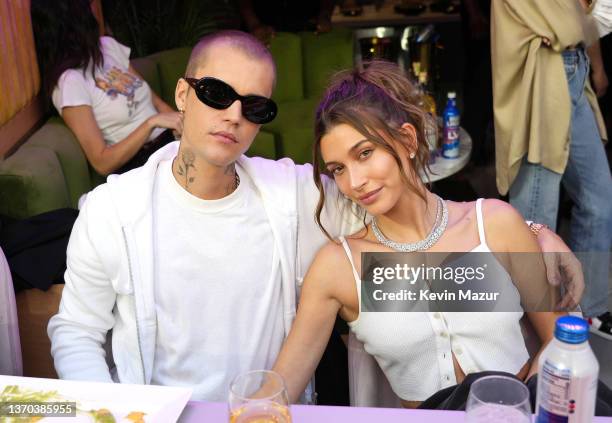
(376, 101)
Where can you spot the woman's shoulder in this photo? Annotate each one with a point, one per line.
(497, 217)
(113, 49)
(331, 252)
(108, 41)
(71, 76)
(504, 225)
(491, 208)
(330, 267)
(498, 212)
(72, 89)
(335, 256)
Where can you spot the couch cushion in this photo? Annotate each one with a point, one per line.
(55, 136)
(297, 144)
(171, 65)
(287, 52)
(323, 55)
(32, 182)
(96, 178)
(263, 146)
(294, 128)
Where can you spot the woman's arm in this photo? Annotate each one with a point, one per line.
(314, 322)
(104, 158)
(544, 326)
(517, 248)
(509, 233)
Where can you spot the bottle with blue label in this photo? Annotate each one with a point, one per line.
(450, 116)
(567, 375)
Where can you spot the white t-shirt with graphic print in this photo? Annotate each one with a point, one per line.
(120, 100)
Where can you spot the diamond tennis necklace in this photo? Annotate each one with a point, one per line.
(424, 244)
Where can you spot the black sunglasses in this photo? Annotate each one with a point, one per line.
(217, 94)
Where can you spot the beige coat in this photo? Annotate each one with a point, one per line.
(532, 104)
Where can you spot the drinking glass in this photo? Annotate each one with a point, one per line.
(259, 396)
(499, 399)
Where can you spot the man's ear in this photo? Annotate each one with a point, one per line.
(180, 94)
(409, 131)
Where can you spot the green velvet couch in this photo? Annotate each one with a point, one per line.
(49, 171)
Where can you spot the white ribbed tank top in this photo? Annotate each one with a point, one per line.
(414, 349)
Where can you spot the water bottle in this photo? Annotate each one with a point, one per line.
(567, 375)
(450, 143)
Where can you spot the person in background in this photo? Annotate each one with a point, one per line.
(548, 130)
(116, 117)
(263, 18)
(602, 12)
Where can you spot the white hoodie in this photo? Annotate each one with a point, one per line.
(110, 257)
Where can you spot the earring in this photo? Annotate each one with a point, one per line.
(412, 155)
(181, 111)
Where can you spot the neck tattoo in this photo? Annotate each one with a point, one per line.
(183, 167)
(236, 181)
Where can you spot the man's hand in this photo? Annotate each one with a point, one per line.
(562, 268)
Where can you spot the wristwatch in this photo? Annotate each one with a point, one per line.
(537, 227)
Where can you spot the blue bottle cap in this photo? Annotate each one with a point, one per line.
(572, 330)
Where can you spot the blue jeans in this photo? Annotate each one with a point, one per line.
(587, 180)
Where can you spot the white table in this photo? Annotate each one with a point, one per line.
(215, 412)
(443, 168)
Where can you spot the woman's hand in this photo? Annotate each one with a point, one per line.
(562, 268)
(316, 315)
(170, 120)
